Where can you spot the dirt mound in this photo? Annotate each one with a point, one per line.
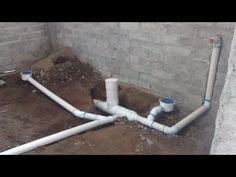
(63, 67)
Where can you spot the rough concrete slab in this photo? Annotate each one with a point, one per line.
(224, 141)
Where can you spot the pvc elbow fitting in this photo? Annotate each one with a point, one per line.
(207, 104)
(104, 120)
(216, 41)
(170, 130)
(78, 113)
(154, 112)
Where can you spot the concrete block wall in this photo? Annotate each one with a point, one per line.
(20, 42)
(167, 58)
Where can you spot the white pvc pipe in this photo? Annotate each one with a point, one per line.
(213, 68)
(98, 120)
(154, 112)
(76, 112)
(116, 110)
(58, 136)
(111, 85)
(131, 115)
(53, 96)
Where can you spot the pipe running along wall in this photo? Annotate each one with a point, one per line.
(133, 116)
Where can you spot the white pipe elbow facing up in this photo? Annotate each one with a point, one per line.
(25, 75)
(167, 104)
(216, 41)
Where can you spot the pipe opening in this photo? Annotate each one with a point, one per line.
(111, 80)
(167, 104)
(167, 100)
(25, 75)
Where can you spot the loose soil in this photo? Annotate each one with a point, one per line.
(26, 114)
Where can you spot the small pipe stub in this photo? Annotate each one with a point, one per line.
(167, 104)
(25, 75)
(215, 41)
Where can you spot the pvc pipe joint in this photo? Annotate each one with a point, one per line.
(25, 75)
(217, 41)
(154, 112)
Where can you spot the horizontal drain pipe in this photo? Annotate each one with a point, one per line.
(58, 136)
(27, 76)
(98, 120)
(115, 109)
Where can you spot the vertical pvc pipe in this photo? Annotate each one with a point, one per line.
(112, 92)
(213, 68)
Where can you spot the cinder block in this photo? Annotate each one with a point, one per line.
(196, 91)
(7, 25)
(140, 35)
(177, 51)
(203, 54)
(38, 27)
(13, 31)
(125, 72)
(193, 42)
(27, 36)
(148, 45)
(161, 74)
(141, 83)
(5, 60)
(154, 27)
(9, 38)
(192, 101)
(110, 24)
(160, 90)
(139, 52)
(114, 41)
(151, 79)
(197, 83)
(212, 31)
(182, 29)
(206, 24)
(121, 78)
(129, 25)
(142, 67)
(66, 30)
(4, 50)
(118, 32)
(155, 58)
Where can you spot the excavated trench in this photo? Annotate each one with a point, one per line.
(26, 114)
